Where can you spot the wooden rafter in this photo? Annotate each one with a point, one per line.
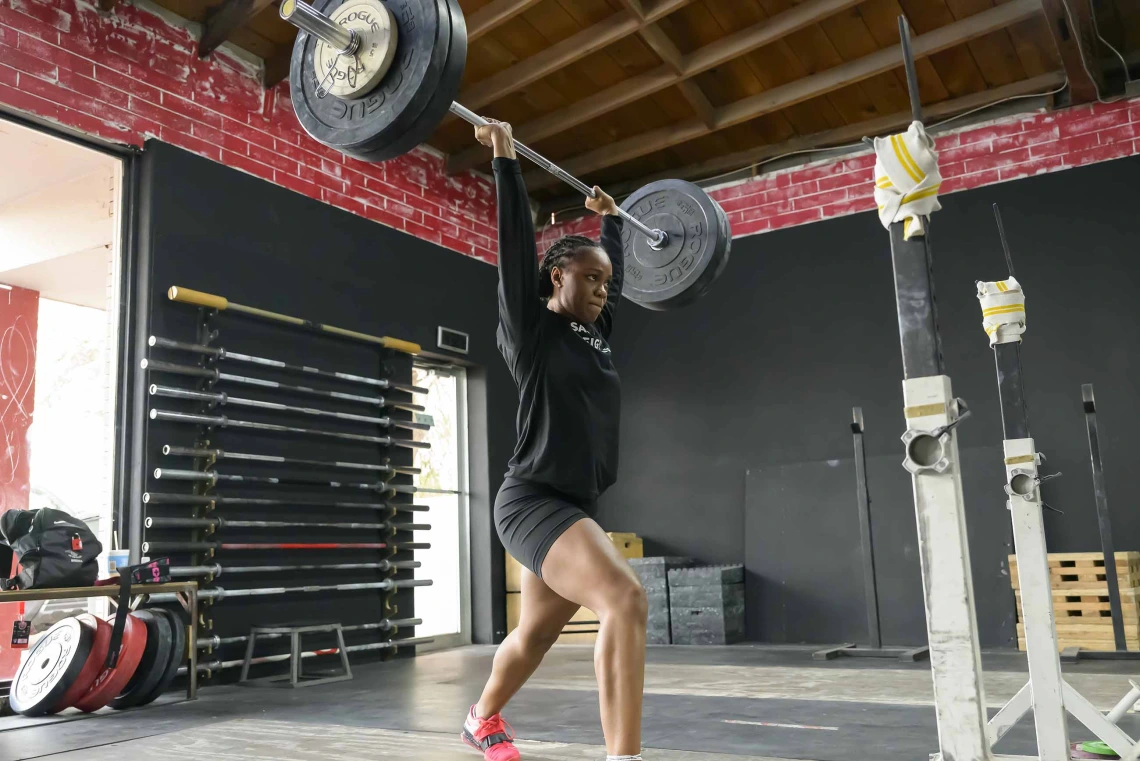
(493, 15)
(223, 20)
(880, 125)
(1070, 23)
(798, 91)
(564, 53)
(710, 56)
(667, 51)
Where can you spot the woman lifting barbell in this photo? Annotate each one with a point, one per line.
(554, 329)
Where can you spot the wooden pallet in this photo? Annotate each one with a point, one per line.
(1090, 580)
(1090, 604)
(1085, 569)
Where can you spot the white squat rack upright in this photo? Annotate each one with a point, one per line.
(906, 190)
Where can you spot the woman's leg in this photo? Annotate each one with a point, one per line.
(543, 616)
(584, 566)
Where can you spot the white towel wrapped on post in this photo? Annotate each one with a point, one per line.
(907, 179)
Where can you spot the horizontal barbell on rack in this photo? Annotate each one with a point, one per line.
(160, 522)
(149, 547)
(219, 593)
(392, 624)
(191, 571)
(221, 665)
(222, 399)
(221, 303)
(212, 477)
(167, 498)
(221, 421)
(213, 374)
(222, 454)
(676, 239)
(218, 353)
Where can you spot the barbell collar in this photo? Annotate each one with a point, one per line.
(309, 19)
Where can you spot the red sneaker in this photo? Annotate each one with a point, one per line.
(491, 737)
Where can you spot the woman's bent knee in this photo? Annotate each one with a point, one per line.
(628, 601)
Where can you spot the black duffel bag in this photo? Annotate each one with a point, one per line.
(55, 549)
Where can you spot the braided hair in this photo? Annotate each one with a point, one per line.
(562, 251)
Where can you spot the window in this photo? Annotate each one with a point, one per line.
(444, 607)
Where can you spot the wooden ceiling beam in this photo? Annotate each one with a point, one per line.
(493, 15)
(622, 94)
(801, 90)
(277, 66)
(562, 54)
(1070, 24)
(841, 136)
(225, 19)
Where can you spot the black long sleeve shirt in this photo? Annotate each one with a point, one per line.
(569, 391)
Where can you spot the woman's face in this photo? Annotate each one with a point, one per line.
(582, 285)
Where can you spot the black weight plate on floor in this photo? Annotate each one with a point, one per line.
(152, 667)
(389, 112)
(177, 655)
(697, 251)
(50, 667)
(439, 106)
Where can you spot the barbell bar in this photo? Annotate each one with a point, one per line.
(217, 376)
(219, 593)
(345, 41)
(219, 353)
(169, 498)
(221, 421)
(192, 571)
(221, 398)
(388, 624)
(222, 454)
(163, 522)
(220, 665)
(149, 547)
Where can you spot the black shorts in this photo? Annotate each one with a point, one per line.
(530, 517)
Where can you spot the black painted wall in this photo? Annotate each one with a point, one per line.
(760, 377)
(212, 228)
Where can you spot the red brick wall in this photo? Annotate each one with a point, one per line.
(1008, 149)
(131, 75)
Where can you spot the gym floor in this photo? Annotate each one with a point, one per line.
(740, 703)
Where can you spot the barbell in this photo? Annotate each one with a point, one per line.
(374, 79)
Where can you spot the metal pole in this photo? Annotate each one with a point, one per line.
(212, 477)
(219, 353)
(166, 498)
(153, 522)
(911, 73)
(215, 375)
(217, 569)
(386, 625)
(222, 454)
(219, 398)
(218, 593)
(929, 406)
(221, 421)
(1103, 519)
(863, 499)
(219, 665)
(149, 547)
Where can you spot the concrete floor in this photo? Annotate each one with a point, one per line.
(739, 703)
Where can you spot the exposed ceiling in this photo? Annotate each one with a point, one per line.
(616, 91)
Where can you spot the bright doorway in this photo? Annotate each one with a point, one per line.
(444, 607)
